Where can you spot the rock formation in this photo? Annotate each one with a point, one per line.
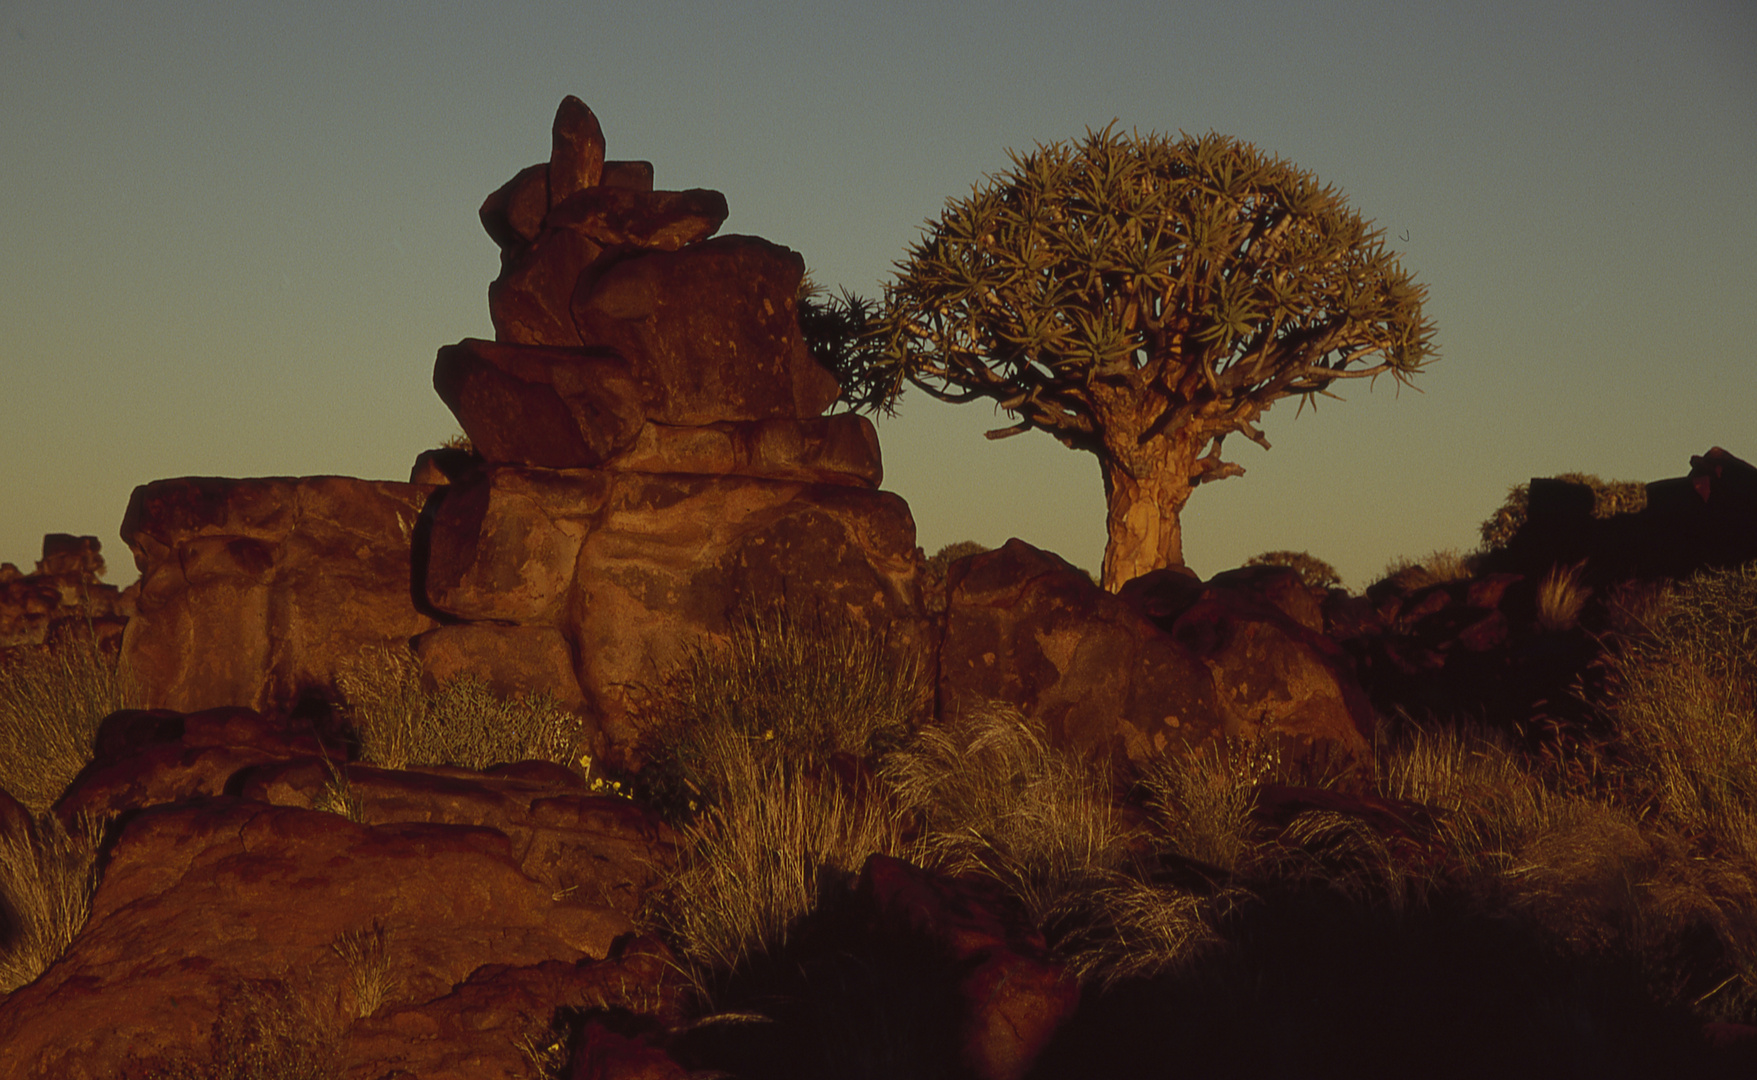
(654, 454)
(64, 595)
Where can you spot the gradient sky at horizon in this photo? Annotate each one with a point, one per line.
(236, 234)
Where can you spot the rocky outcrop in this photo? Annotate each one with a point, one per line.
(1707, 519)
(254, 593)
(654, 458)
(63, 596)
(431, 931)
(1168, 664)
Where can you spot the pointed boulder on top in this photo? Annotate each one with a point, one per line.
(576, 161)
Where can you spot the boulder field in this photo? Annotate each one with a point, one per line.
(652, 453)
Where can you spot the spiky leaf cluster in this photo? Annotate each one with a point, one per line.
(1194, 272)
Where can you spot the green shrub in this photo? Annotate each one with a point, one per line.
(52, 699)
(462, 722)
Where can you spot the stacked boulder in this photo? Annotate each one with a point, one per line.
(654, 454)
(64, 595)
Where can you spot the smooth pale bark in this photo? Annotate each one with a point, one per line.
(1144, 492)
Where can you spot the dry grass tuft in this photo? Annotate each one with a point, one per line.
(993, 797)
(783, 686)
(463, 722)
(47, 879)
(1436, 568)
(1561, 597)
(366, 954)
(52, 699)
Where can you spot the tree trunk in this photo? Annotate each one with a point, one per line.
(1142, 504)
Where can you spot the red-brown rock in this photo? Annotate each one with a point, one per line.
(512, 660)
(513, 215)
(480, 1028)
(530, 303)
(504, 541)
(840, 449)
(674, 558)
(614, 217)
(147, 757)
(633, 175)
(598, 850)
(1014, 994)
(1025, 627)
(576, 158)
(202, 899)
(255, 592)
(551, 407)
(1271, 674)
(711, 330)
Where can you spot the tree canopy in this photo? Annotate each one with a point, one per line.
(1143, 298)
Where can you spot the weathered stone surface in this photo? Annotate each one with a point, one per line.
(513, 215)
(530, 303)
(576, 158)
(597, 850)
(1014, 995)
(203, 899)
(711, 330)
(479, 1029)
(254, 592)
(504, 541)
(551, 407)
(614, 217)
(64, 589)
(840, 449)
(1271, 675)
(633, 175)
(147, 757)
(1025, 627)
(512, 660)
(674, 557)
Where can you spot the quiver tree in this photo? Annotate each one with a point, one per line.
(1144, 298)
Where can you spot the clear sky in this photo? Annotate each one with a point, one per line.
(233, 235)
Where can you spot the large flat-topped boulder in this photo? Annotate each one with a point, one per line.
(674, 559)
(712, 329)
(254, 592)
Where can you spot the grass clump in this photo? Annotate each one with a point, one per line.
(48, 875)
(989, 795)
(52, 699)
(401, 721)
(782, 686)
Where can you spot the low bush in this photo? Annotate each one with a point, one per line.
(1312, 570)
